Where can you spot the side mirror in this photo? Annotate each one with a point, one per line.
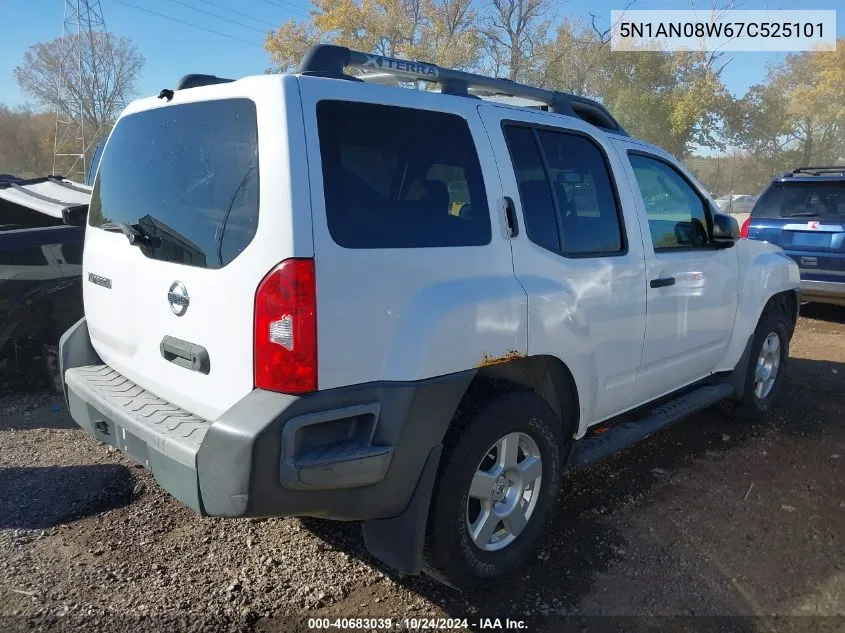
(725, 228)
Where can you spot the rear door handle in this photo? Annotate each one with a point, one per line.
(510, 217)
(662, 282)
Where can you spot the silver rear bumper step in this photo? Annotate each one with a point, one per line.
(122, 411)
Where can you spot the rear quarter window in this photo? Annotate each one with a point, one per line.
(398, 177)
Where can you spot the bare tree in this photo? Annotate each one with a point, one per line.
(513, 29)
(99, 87)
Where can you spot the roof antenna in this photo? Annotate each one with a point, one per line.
(167, 93)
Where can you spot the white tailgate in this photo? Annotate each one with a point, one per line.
(128, 320)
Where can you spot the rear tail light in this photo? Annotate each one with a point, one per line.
(743, 230)
(285, 336)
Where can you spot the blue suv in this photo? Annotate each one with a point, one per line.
(803, 212)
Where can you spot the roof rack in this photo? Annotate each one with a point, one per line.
(818, 171)
(328, 60)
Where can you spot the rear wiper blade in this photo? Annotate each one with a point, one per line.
(804, 214)
(134, 233)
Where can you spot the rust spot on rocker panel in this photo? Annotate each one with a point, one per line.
(487, 360)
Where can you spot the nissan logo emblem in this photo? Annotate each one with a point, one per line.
(178, 298)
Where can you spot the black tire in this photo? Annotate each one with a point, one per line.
(773, 321)
(451, 555)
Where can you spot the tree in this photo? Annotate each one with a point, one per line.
(438, 31)
(814, 83)
(673, 99)
(288, 44)
(798, 114)
(98, 88)
(513, 31)
(26, 141)
(570, 60)
(449, 36)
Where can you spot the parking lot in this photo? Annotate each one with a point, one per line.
(711, 517)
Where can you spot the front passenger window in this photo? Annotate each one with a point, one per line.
(677, 216)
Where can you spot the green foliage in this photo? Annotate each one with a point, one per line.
(440, 31)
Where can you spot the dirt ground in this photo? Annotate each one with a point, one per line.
(741, 526)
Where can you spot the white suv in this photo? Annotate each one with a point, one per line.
(316, 294)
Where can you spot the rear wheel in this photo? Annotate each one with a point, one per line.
(499, 479)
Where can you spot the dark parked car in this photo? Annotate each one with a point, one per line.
(803, 211)
(41, 236)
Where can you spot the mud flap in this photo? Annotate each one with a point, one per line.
(737, 377)
(398, 541)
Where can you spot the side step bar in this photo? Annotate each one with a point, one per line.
(593, 448)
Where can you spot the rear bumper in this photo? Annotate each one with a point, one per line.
(353, 453)
(823, 291)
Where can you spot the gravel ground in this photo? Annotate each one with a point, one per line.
(710, 518)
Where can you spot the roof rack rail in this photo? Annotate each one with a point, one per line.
(824, 169)
(195, 80)
(328, 60)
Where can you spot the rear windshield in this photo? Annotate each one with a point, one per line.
(825, 200)
(187, 177)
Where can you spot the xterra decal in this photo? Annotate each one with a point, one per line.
(401, 65)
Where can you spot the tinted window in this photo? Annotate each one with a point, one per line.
(589, 216)
(825, 200)
(188, 176)
(400, 178)
(30, 256)
(567, 199)
(72, 252)
(535, 194)
(677, 216)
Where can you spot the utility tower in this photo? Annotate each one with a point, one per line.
(86, 58)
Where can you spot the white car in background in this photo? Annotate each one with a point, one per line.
(738, 205)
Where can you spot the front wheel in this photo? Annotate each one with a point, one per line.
(767, 363)
(499, 480)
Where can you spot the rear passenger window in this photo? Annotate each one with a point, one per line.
(589, 216)
(568, 199)
(400, 178)
(538, 207)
